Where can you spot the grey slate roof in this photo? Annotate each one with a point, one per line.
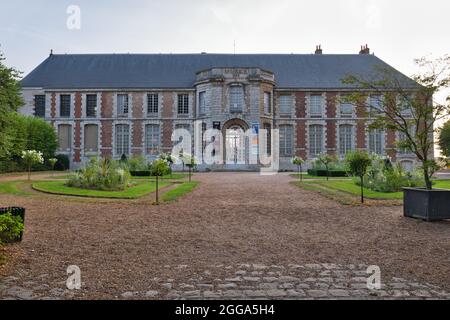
(159, 71)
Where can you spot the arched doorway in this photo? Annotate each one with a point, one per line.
(236, 142)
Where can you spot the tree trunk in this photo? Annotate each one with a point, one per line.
(29, 172)
(327, 173)
(301, 173)
(157, 191)
(190, 174)
(362, 189)
(426, 176)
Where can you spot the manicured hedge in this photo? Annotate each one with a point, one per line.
(323, 173)
(140, 173)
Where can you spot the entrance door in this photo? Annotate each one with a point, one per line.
(235, 145)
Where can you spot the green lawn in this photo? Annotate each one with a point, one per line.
(13, 187)
(141, 189)
(348, 186)
(179, 191)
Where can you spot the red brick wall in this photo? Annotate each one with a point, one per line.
(390, 144)
(106, 139)
(107, 105)
(331, 124)
(167, 126)
(137, 105)
(78, 112)
(77, 142)
(53, 106)
(300, 104)
(360, 127)
(137, 137)
(301, 139)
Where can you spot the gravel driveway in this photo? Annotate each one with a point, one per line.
(132, 249)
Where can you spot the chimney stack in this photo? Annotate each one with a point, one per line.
(364, 50)
(319, 49)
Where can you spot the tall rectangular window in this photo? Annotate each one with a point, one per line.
(122, 105)
(39, 106)
(267, 102)
(268, 129)
(152, 139)
(202, 103)
(286, 104)
(286, 140)
(91, 105)
(405, 106)
(236, 98)
(315, 140)
(346, 110)
(183, 103)
(402, 138)
(376, 141)
(64, 105)
(315, 107)
(122, 139)
(376, 104)
(90, 138)
(65, 137)
(345, 139)
(152, 104)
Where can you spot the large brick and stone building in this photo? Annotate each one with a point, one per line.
(115, 104)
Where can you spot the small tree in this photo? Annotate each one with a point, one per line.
(327, 160)
(298, 161)
(358, 163)
(191, 163)
(158, 169)
(30, 158)
(444, 139)
(170, 160)
(406, 106)
(52, 162)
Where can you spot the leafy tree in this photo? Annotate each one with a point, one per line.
(327, 160)
(444, 139)
(406, 106)
(158, 169)
(41, 136)
(10, 101)
(298, 161)
(358, 163)
(31, 157)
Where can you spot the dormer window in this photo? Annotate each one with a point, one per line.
(236, 98)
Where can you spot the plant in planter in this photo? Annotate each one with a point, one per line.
(158, 168)
(327, 160)
(30, 158)
(52, 162)
(407, 106)
(358, 163)
(299, 161)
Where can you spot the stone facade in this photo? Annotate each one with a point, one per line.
(216, 87)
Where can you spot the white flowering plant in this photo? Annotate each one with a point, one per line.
(30, 158)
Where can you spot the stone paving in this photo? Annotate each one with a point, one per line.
(251, 281)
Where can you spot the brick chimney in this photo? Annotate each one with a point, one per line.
(318, 49)
(364, 50)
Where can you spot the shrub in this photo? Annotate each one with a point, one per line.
(358, 163)
(103, 175)
(11, 227)
(331, 173)
(62, 162)
(138, 163)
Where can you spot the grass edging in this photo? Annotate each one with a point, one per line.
(179, 191)
(59, 188)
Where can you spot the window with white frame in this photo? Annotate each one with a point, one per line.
(122, 105)
(91, 105)
(202, 103)
(152, 104)
(376, 141)
(268, 129)
(286, 104)
(65, 137)
(64, 105)
(315, 140)
(345, 139)
(404, 105)
(39, 106)
(152, 139)
(346, 110)
(91, 138)
(267, 102)
(375, 104)
(183, 103)
(286, 140)
(402, 138)
(122, 139)
(236, 98)
(315, 105)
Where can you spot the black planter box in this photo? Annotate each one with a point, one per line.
(428, 205)
(15, 211)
